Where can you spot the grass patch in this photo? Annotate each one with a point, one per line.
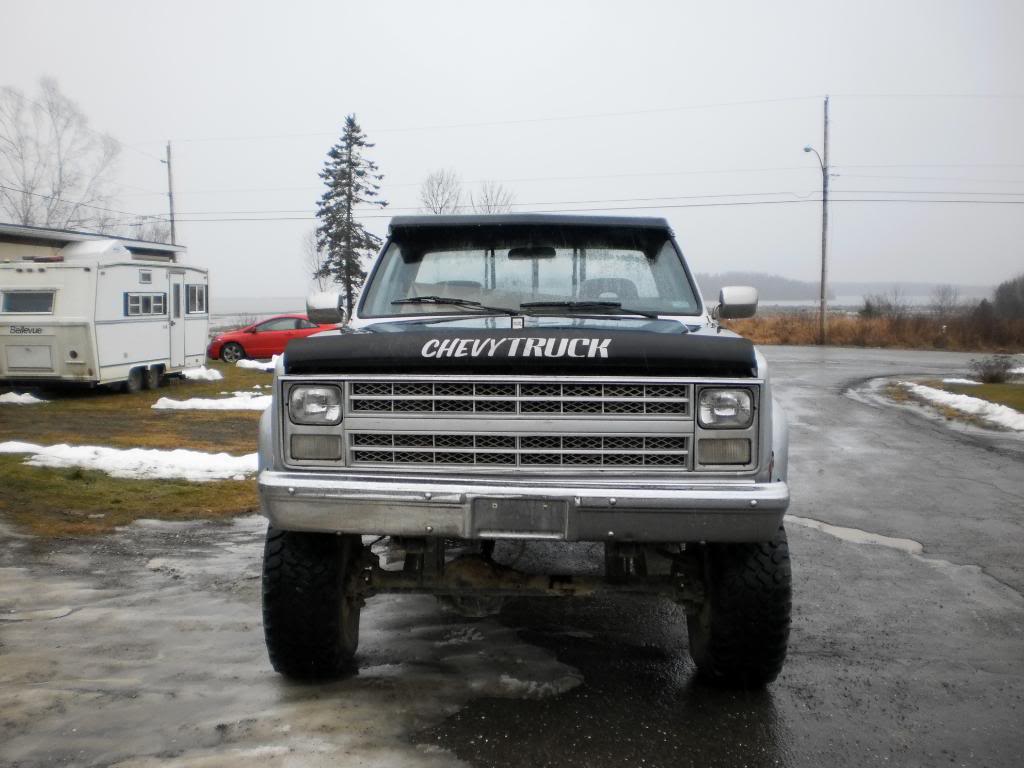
(1009, 394)
(67, 502)
(119, 420)
(57, 502)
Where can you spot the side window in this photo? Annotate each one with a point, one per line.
(145, 304)
(145, 276)
(306, 324)
(29, 302)
(195, 299)
(280, 324)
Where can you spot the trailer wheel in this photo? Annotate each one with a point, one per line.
(738, 638)
(232, 352)
(154, 377)
(133, 383)
(310, 624)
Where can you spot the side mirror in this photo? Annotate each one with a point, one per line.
(326, 308)
(736, 301)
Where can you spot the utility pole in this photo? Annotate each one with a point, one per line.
(822, 318)
(170, 190)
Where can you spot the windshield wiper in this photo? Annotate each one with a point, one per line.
(614, 306)
(455, 303)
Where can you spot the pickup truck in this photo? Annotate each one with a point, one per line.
(506, 379)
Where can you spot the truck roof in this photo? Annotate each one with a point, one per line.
(528, 219)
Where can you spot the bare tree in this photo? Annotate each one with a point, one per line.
(55, 171)
(151, 228)
(492, 198)
(441, 192)
(945, 301)
(313, 260)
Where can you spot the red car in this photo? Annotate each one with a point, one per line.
(263, 339)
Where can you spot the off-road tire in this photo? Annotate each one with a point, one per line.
(153, 377)
(311, 627)
(232, 352)
(133, 384)
(738, 638)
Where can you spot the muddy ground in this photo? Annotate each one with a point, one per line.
(144, 648)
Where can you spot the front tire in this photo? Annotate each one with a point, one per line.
(311, 626)
(232, 352)
(739, 636)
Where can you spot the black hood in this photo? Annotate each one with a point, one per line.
(555, 351)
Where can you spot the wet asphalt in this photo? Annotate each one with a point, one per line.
(145, 648)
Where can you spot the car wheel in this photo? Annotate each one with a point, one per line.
(310, 623)
(134, 381)
(154, 377)
(232, 352)
(739, 635)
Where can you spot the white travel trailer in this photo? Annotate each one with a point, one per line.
(91, 310)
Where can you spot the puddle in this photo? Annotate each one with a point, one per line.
(858, 536)
(148, 651)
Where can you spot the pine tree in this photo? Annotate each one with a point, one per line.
(351, 180)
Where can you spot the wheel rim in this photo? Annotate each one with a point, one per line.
(232, 353)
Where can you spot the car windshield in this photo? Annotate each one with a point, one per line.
(505, 268)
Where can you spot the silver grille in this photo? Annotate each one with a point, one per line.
(596, 450)
(546, 398)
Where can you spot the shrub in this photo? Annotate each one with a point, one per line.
(992, 370)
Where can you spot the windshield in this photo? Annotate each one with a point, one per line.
(505, 268)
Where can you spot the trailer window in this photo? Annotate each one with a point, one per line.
(196, 299)
(145, 276)
(28, 302)
(137, 304)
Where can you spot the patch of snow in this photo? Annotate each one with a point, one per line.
(202, 373)
(13, 446)
(139, 463)
(257, 365)
(999, 415)
(240, 401)
(1017, 371)
(961, 381)
(13, 398)
(538, 689)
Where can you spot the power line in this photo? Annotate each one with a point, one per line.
(521, 179)
(654, 207)
(78, 203)
(510, 121)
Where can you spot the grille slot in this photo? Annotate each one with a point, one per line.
(546, 398)
(592, 450)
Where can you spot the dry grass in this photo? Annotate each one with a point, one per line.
(56, 502)
(912, 332)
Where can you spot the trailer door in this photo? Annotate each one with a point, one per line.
(177, 325)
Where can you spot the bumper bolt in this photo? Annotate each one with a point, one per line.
(753, 502)
(291, 491)
(612, 501)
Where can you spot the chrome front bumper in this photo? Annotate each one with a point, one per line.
(519, 509)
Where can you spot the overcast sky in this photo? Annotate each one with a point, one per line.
(647, 107)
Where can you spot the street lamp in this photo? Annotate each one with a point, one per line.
(823, 163)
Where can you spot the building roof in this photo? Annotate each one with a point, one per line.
(57, 238)
(529, 219)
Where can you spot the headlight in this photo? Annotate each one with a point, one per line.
(725, 408)
(315, 405)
